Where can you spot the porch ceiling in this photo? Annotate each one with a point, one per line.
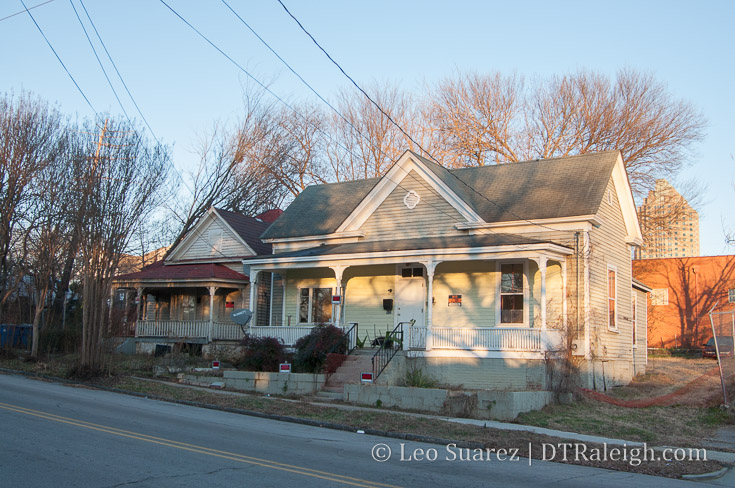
(439, 247)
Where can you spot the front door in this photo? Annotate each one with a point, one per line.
(410, 295)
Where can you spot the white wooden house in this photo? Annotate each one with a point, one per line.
(487, 271)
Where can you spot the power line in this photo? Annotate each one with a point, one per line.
(353, 81)
(401, 128)
(283, 101)
(57, 57)
(119, 75)
(24, 11)
(100, 63)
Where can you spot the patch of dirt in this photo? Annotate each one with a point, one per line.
(674, 381)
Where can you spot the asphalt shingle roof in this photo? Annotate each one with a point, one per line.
(159, 271)
(249, 229)
(540, 189)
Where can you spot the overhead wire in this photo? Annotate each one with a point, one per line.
(268, 90)
(59, 59)
(119, 75)
(390, 119)
(24, 11)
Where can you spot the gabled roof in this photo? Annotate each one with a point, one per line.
(532, 190)
(248, 228)
(541, 189)
(320, 209)
(159, 271)
(245, 229)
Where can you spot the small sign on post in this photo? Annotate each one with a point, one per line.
(215, 364)
(336, 299)
(284, 368)
(366, 377)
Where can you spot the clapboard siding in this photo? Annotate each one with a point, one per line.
(201, 247)
(608, 248)
(432, 216)
(476, 281)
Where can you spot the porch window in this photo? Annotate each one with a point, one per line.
(612, 293)
(511, 293)
(315, 305)
(189, 307)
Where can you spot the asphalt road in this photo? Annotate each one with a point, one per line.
(57, 436)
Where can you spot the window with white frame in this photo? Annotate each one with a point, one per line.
(315, 305)
(660, 296)
(731, 295)
(612, 298)
(512, 294)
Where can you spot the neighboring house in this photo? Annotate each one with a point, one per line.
(488, 271)
(684, 290)
(188, 296)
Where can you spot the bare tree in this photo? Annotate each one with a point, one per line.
(363, 142)
(120, 183)
(48, 231)
(30, 134)
(476, 119)
(482, 119)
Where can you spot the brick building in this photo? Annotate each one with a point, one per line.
(684, 290)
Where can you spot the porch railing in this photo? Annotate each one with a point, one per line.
(491, 339)
(192, 329)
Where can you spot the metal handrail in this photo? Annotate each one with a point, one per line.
(349, 341)
(388, 349)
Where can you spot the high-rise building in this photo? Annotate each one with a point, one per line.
(670, 225)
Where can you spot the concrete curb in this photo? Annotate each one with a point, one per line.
(706, 476)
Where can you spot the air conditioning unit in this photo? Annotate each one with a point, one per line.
(578, 347)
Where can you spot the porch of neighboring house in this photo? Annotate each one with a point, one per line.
(193, 305)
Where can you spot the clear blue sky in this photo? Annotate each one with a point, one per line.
(183, 85)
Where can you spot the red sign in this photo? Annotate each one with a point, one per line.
(336, 299)
(285, 368)
(215, 364)
(366, 377)
(455, 300)
(229, 304)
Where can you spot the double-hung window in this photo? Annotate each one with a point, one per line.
(315, 305)
(612, 298)
(512, 296)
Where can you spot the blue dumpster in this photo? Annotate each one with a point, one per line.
(15, 336)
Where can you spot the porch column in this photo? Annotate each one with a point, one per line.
(242, 297)
(430, 268)
(338, 273)
(212, 291)
(253, 295)
(139, 305)
(563, 264)
(542, 269)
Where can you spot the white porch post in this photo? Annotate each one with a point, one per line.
(212, 291)
(564, 293)
(253, 294)
(139, 304)
(338, 273)
(542, 270)
(430, 268)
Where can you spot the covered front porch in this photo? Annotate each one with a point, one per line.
(486, 300)
(189, 303)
